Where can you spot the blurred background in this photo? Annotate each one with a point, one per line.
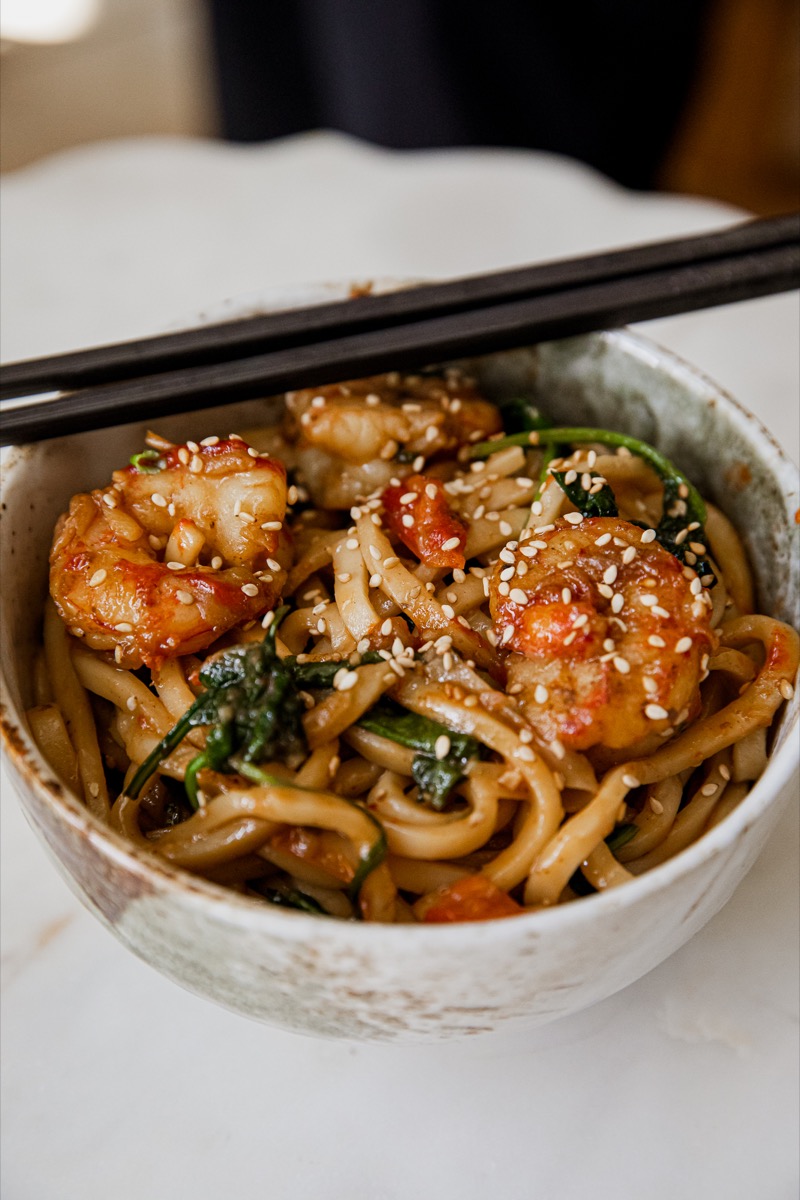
(702, 99)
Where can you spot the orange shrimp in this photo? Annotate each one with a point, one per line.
(609, 634)
(347, 436)
(162, 562)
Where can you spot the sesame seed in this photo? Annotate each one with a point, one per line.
(391, 561)
(557, 748)
(175, 566)
(247, 517)
(267, 619)
(683, 645)
(158, 500)
(580, 621)
(210, 441)
(648, 601)
(375, 581)
(124, 627)
(193, 446)
(517, 596)
(374, 552)
(386, 627)
(407, 520)
(609, 644)
(216, 562)
(431, 433)
(452, 543)
(622, 664)
(629, 554)
(610, 574)
(655, 712)
(724, 772)
(681, 537)
(322, 625)
(185, 597)
(658, 611)
(605, 590)
(656, 806)
(196, 465)
(655, 640)
(344, 577)
(648, 536)
(505, 529)
(630, 781)
(541, 694)
(566, 595)
(251, 450)
(786, 689)
(250, 589)
(573, 518)
(617, 602)
(525, 753)
(697, 547)
(355, 513)
(508, 634)
(441, 747)
(650, 685)
(570, 477)
(273, 526)
(525, 736)
(603, 540)
(503, 588)
(372, 400)
(448, 611)
(344, 680)
(98, 577)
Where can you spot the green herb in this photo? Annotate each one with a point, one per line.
(620, 836)
(252, 709)
(149, 462)
(435, 777)
(520, 415)
(284, 896)
(601, 504)
(683, 504)
(321, 674)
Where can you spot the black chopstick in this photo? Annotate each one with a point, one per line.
(417, 327)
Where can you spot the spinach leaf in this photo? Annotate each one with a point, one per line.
(435, 777)
(601, 504)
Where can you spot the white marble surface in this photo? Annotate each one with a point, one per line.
(117, 1083)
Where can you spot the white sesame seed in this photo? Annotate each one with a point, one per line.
(247, 517)
(658, 611)
(375, 580)
(629, 554)
(697, 547)
(267, 619)
(158, 500)
(605, 590)
(617, 602)
(185, 597)
(124, 627)
(344, 680)
(681, 537)
(570, 477)
(525, 753)
(630, 781)
(505, 529)
(452, 543)
(603, 540)
(196, 465)
(130, 704)
(656, 806)
(216, 562)
(580, 621)
(621, 664)
(557, 748)
(610, 574)
(541, 694)
(98, 577)
(441, 747)
(210, 441)
(655, 712)
(566, 595)
(250, 589)
(273, 526)
(724, 772)
(648, 601)
(322, 625)
(391, 561)
(503, 588)
(374, 552)
(684, 644)
(517, 596)
(648, 536)
(193, 446)
(448, 611)
(786, 689)
(655, 640)
(573, 518)
(175, 566)
(650, 685)
(508, 634)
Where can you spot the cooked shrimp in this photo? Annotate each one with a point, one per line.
(167, 558)
(609, 633)
(348, 435)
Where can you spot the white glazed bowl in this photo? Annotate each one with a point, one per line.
(364, 981)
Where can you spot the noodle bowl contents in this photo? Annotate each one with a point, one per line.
(407, 656)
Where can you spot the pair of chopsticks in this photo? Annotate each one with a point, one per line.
(410, 328)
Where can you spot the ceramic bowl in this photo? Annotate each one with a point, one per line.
(362, 981)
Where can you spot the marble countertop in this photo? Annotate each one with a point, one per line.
(116, 1082)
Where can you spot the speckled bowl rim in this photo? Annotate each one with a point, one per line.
(239, 910)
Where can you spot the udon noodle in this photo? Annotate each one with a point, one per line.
(406, 656)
